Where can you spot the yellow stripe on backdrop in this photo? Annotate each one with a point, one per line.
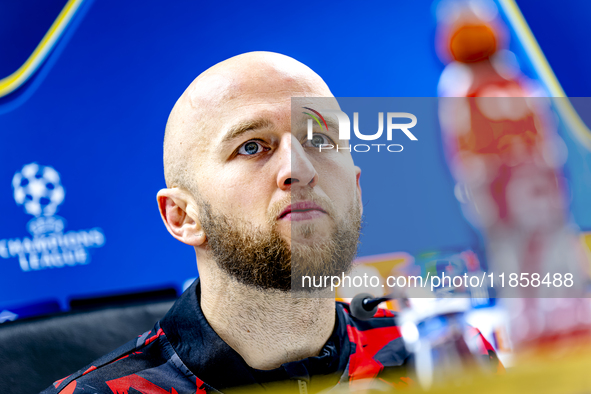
(12, 82)
(586, 240)
(542, 67)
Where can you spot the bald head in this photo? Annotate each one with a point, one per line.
(196, 122)
(234, 163)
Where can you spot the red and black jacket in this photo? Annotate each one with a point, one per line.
(183, 354)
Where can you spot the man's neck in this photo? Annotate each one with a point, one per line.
(266, 327)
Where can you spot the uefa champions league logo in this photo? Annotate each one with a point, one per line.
(39, 191)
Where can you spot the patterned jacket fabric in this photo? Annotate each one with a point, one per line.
(183, 354)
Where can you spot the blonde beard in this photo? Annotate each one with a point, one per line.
(264, 260)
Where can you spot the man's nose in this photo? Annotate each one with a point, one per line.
(296, 169)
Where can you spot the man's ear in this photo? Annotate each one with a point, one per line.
(179, 213)
(357, 177)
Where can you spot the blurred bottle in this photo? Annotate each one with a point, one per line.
(503, 150)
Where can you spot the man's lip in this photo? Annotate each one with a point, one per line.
(302, 206)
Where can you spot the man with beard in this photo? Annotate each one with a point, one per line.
(261, 205)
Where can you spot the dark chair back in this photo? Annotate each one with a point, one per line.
(34, 353)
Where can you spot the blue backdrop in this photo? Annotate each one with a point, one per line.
(96, 107)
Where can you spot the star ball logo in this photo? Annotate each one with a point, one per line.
(39, 191)
(344, 126)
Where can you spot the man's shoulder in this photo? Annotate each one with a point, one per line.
(147, 364)
(377, 346)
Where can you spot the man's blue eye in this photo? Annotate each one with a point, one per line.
(250, 148)
(318, 139)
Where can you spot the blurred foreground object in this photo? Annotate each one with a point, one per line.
(435, 324)
(445, 348)
(500, 139)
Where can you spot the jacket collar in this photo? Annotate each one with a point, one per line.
(213, 361)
